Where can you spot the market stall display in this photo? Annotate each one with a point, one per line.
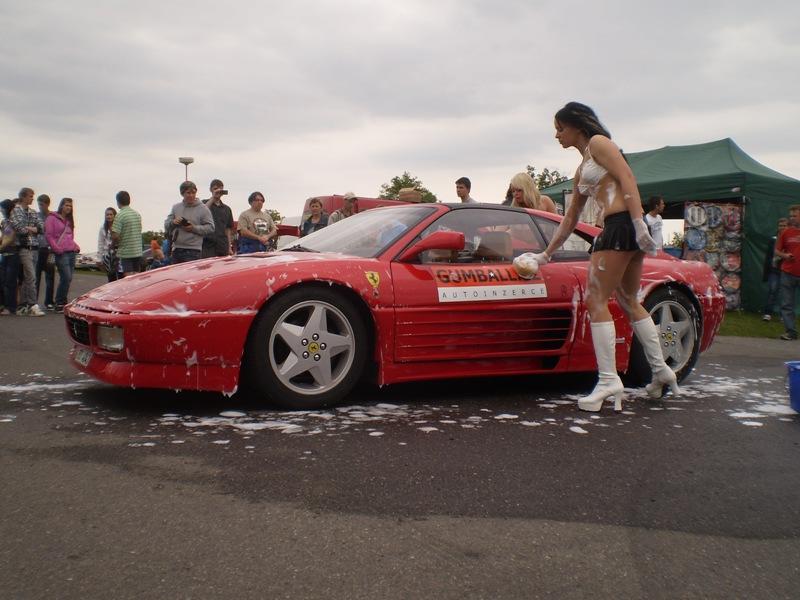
(713, 234)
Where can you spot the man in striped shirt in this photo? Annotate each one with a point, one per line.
(127, 235)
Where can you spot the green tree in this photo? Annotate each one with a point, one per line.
(546, 178)
(276, 216)
(406, 180)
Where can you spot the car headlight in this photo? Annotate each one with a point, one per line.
(110, 338)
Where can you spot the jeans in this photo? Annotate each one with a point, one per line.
(773, 288)
(9, 282)
(65, 263)
(130, 265)
(248, 246)
(789, 285)
(49, 275)
(182, 255)
(27, 260)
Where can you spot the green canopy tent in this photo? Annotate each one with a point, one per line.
(716, 171)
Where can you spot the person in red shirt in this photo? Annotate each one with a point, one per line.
(788, 248)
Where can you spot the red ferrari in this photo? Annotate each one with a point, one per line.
(424, 291)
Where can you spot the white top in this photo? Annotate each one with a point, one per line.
(590, 175)
(656, 225)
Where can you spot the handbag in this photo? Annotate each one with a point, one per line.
(110, 261)
(9, 236)
(51, 255)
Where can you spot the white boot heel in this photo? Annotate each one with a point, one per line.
(609, 385)
(647, 333)
(666, 376)
(607, 391)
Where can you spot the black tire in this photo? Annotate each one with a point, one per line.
(307, 349)
(678, 323)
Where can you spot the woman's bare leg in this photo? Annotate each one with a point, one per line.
(628, 290)
(645, 329)
(605, 274)
(607, 270)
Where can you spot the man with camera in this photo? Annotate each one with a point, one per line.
(219, 242)
(187, 224)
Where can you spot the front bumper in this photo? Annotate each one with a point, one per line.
(187, 351)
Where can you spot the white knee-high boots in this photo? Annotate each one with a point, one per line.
(647, 333)
(609, 385)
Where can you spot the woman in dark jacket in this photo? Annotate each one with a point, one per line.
(317, 220)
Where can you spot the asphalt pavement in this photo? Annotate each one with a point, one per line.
(489, 488)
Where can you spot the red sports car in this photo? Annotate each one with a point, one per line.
(423, 291)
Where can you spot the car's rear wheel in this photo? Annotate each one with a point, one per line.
(678, 327)
(307, 349)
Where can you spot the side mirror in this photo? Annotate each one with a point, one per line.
(438, 240)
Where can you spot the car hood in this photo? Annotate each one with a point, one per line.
(233, 283)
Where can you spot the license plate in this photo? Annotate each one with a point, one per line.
(83, 356)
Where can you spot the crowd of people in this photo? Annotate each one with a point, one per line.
(35, 243)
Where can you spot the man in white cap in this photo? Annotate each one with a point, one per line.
(348, 210)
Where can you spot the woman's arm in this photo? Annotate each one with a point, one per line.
(567, 225)
(548, 204)
(51, 235)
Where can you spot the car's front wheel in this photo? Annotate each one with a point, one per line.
(678, 326)
(307, 350)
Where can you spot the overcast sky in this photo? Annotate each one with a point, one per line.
(305, 98)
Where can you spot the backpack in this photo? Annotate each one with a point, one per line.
(9, 236)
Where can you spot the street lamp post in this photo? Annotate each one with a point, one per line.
(186, 161)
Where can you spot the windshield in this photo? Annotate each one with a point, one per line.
(365, 234)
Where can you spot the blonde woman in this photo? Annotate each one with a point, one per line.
(525, 194)
(617, 255)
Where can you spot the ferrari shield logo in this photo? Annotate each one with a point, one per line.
(373, 278)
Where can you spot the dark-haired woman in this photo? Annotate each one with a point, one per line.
(617, 254)
(316, 220)
(59, 230)
(105, 245)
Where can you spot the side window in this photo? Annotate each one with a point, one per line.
(575, 248)
(490, 236)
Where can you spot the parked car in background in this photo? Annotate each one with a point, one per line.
(288, 231)
(401, 293)
(90, 261)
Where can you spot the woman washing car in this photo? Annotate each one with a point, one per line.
(617, 255)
